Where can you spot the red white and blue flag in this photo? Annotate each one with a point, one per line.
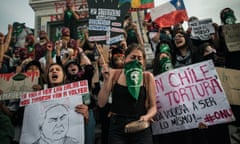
(169, 14)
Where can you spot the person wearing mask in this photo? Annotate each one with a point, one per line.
(162, 61)
(133, 97)
(70, 18)
(232, 59)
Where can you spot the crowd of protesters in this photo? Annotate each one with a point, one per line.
(81, 59)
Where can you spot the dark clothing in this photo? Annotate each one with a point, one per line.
(231, 61)
(71, 22)
(131, 37)
(118, 136)
(124, 104)
(85, 73)
(126, 109)
(40, 50)
(6, 129)
(193, 136)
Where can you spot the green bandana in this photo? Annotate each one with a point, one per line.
(229, 18)
(165, 64)
(30, 48)
(69, 14)
(80, 35)
(131, 33)
(164, 48)
(18, 30)
(134, 77)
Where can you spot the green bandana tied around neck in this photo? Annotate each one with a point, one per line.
(134, 76)
(229, 18)
(69, 14)
(165, 63)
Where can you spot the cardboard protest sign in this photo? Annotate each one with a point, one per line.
(50, 115)
(188, 97)
(230, 79)
(232, 36)
(106, 20)
(201, 29)
(14, 85)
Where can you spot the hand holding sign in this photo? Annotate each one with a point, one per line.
(105, 20)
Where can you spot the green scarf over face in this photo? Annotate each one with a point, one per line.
(229, 18)
(134, 76)
(165, 63)
(18, 30)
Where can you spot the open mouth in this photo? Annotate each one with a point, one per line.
(54, 77)
(74, 70)
(178, 41)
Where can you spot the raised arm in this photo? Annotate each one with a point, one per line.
(106, 86)
(8, 38)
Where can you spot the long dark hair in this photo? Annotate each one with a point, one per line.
(193, 50)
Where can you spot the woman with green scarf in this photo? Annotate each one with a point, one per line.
(133, 97)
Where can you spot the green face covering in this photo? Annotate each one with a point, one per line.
(133, 71)
(18, 30)
(229, 18)
(165, 63)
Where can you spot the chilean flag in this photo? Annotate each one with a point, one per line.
(169, 14)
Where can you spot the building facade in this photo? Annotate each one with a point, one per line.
(48, 14)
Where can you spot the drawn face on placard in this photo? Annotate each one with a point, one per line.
(56, 122)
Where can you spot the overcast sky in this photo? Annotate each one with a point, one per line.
(20, 11)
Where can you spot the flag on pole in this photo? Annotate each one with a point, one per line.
(142, 4)
(139, 4)
(169, 14)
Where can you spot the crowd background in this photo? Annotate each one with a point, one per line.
(81, 59)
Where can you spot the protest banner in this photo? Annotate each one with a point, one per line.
(106, 18)
(50, 115)
(231, 84)
(68, 90)
(188, 97)
(232, 36)
(201, 29)
(14, 85)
